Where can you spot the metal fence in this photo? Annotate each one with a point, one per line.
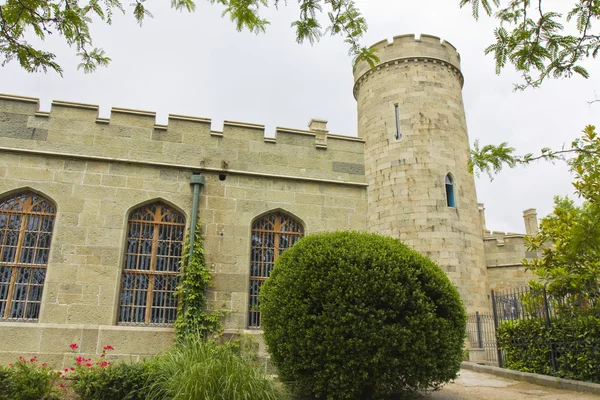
(481, 334)
(528, 303)
(535, 303)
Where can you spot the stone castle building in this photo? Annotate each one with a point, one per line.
(93, 211)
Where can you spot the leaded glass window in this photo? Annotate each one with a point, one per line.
(271, 236)
(151, 265)
(26, 224)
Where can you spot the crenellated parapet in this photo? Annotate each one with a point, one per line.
(504, 254)
(128, 134)
(407, 49)
(504, 249)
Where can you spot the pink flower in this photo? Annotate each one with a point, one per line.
(109, 347)
(79, 360)
(66, 370)
(88, 365)
(72, 369)
(44, 364)
(73, 346)
(31, 359)
(104, 364)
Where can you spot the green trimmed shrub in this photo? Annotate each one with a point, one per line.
(203, 370)
(6, 383)
(527, 346)
(349, 315)
(28, 380)
(123, 381)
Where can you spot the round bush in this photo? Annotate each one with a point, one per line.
(349, 315)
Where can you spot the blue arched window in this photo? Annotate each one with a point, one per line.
(450, 191)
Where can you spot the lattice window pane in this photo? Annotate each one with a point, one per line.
(26, 225)
(271, 236)
(151, 271)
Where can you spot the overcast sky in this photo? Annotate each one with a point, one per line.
(197, 64)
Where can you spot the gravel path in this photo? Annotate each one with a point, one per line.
(476, 385)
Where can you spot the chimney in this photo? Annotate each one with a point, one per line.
(531, 222)
(481, 209)
(319, 127)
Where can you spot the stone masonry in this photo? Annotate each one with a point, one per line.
(96, 171)
(406, 174)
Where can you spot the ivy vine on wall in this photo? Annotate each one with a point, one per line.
(193, 317)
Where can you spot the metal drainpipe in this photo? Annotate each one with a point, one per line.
(196, 181)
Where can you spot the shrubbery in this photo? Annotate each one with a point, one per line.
(526, 345)
(192, 370)
(575, 340)
(28, 380)
(350, 315)
(101, 380)
(122, 381)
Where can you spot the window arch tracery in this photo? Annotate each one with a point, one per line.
(271, 235)
(26, 226)
(151, 267)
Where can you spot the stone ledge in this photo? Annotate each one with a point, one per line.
(537, 379)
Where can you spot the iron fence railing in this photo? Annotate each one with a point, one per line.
(481, 334)
(527, 303)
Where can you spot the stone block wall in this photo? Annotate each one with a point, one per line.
(416, 89)
(504, 254)
(96, 171)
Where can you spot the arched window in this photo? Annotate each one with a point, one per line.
(26, 224)
(450, 191)
(271, 236)
(151, 271)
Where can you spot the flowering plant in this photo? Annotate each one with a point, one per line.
(99, 379)
(84, 364)
(32, 380)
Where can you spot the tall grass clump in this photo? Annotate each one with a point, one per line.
(197, 370)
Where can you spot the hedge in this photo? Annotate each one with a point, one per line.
(575, 341)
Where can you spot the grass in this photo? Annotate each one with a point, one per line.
(199, 370)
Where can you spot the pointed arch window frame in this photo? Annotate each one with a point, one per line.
(267, 242)
(149, 277)
(450, 185)
(24, 253)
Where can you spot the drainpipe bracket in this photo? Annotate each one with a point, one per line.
(197, 179)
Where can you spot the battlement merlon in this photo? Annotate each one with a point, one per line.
(316, 134)
(499, 238)
(75, 130)
(408, 47)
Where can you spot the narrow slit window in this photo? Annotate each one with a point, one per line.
(398, 133)
(450, 191)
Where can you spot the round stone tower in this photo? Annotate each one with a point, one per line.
(411, 115)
